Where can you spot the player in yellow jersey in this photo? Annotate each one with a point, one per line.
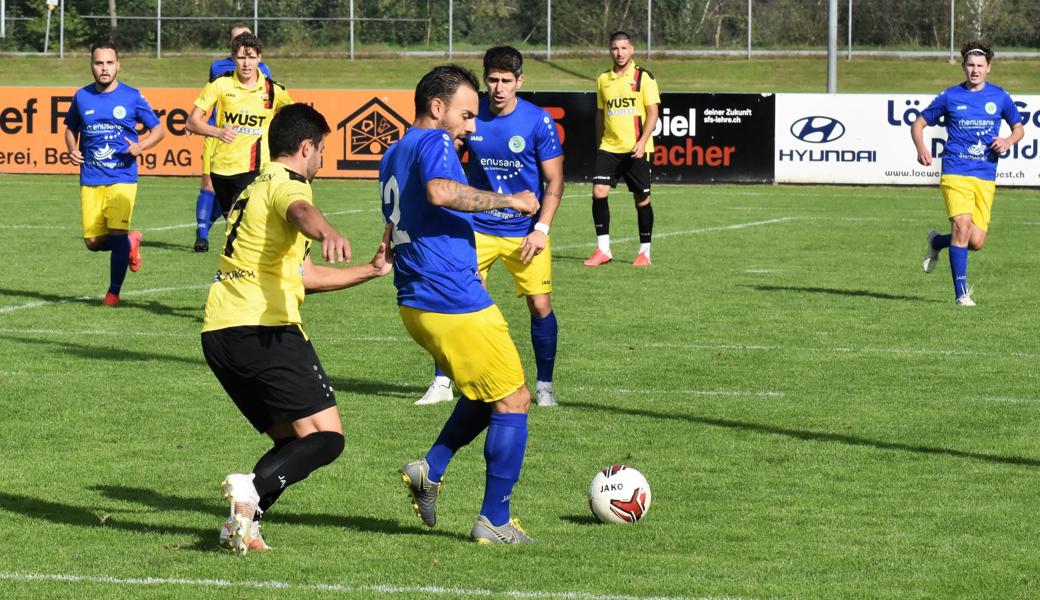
(246, 100)
(252, 337)
(628, 101)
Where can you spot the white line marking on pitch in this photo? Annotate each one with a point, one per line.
(130, 293)
(688, 232)
(721, 393)
(333, 587)
(760, 270)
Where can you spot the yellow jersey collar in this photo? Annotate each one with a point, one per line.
(260, 77)
(628, 72)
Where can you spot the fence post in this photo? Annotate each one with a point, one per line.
(451, 10)
(3, 18)
(351, 29)
(832, 47)
(158, 28)
(749, 23)
(952, 25)
(548, 30)
(61, 31)
(850, 31)
(649, 8)
(256, 18)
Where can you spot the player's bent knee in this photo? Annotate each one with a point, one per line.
(600, 191)
(517, 402)
(642, 201)
(94, 244)
(540, 305)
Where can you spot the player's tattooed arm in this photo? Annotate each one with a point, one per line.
(459, 196)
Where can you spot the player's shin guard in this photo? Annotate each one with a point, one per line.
(204, 211)
(504, 451)
(469, 418)
(296, 460)
(959, 270)
(601, 215)
(544, 332)
(119, 261)
(645, 217)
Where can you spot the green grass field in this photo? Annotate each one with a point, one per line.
(708, 74)
(815, 416)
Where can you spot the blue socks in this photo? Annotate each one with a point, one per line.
(438, 371)
(543, 337)
(469, 418)
(504, 451)
(119, 261)
(941, 241)
(959, 270)
(205, 205)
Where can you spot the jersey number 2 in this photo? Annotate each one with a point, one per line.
(392, 196)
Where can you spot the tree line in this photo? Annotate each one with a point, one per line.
(576, 24)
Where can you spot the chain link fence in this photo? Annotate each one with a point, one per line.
(448, 27)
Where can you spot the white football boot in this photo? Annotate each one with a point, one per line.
(439, 391)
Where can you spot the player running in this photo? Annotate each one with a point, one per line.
(101, 137)
(972, 112)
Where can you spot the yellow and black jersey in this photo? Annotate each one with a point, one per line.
(249, 111)
(623, 99)
(260, 281)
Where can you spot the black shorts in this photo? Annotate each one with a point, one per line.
(272, 373)
(636, 172)
(226, 188)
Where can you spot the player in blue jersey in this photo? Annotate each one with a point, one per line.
(206, 207)
(972, 112)
(515, 148)
(443, 303)
(102, 139)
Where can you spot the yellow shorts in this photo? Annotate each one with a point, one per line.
(474, 349)
(964, 194)
(106, 207)
(208, 145)
(530, 279)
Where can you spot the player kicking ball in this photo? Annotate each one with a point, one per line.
(972, 112)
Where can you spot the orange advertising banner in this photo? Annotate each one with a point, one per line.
(364, 124)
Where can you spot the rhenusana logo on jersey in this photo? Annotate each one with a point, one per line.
(119, 112)
(517, 143)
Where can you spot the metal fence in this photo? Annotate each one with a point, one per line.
(736, 32)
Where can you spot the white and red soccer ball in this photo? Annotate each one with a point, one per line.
(619, 494)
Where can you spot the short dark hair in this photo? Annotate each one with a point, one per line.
(503, 58)
(442, 82)
(106, 45)
(246, 40)
(620, 35)
(292, 126)
(977, 47)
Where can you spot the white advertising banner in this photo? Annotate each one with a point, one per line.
(865, 139)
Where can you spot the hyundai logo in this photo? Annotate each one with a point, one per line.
(817, 129)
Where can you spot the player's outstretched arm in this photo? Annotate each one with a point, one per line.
(319, 278)
(917, 135)
(459, 196)
(311, 223)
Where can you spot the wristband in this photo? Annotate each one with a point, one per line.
(542, 227)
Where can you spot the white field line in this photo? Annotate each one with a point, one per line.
(687, 232)
(130, 293)
(841, 349)
(760, 270)
(717, 393)
(385, 589)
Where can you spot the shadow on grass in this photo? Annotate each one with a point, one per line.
(562, 69)
(365, 387)
(55, 298)
(78, 516)
(160, 501)
(837, 292)
(114, 354)
(813, 436)
(580, 519)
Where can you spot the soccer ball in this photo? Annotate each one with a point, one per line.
(619, 494)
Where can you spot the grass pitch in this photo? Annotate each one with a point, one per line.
(815, 416)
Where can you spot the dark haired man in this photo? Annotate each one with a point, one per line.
(444, 305)
(101, 137)
(972, 112)
(252, 336)
(206, 208)
(515, 148)
(246, 100)
(628, 100)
